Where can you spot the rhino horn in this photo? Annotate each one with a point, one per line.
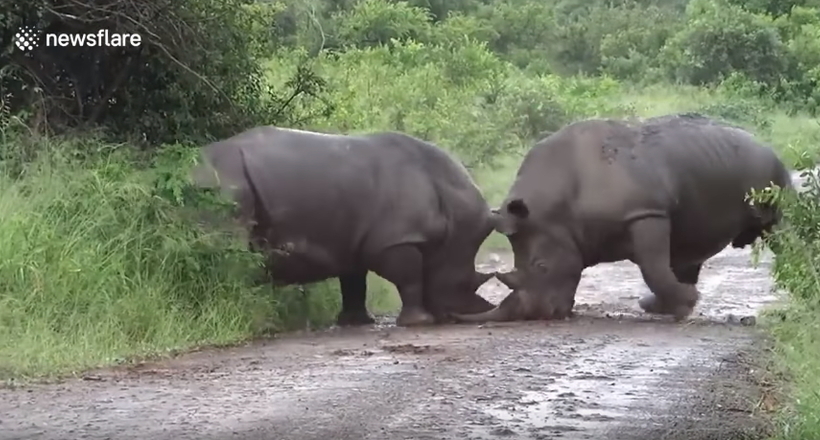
(501, 313)
(510, 279)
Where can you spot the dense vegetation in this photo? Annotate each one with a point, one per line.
(101, 260)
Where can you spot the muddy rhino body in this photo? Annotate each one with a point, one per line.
(667, 193)
(323, 206)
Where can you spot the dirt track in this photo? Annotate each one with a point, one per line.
(611, 373)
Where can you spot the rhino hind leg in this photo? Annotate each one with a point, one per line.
(671, 295)
(402, 266)
(354, 300)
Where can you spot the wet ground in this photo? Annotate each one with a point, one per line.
(611, 373)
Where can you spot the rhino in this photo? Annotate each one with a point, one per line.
(666, 193)
(322, 206)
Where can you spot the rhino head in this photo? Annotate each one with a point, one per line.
(452, 281)
(547, 270)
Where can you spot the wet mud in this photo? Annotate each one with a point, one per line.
(610, 373)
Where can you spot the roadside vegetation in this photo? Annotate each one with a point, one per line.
(105, 253)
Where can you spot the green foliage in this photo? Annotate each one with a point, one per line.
(95, 258)
(196, 75)
(636, 35)
(795, 326)
(774, 8)
(375, 22)
(721, 38)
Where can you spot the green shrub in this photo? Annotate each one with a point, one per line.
(721, 38)
(377, 22)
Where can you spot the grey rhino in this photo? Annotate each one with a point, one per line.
(323, 205)
(667, 194)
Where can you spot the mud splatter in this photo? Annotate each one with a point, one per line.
(412, 349)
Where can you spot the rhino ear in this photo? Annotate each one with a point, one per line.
(518, 208)
(503, 223)
(500, 223)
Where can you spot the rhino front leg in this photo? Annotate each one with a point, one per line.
(402, 266)
(354, 300)
(650, 241)
(684, 274)
(687, 274)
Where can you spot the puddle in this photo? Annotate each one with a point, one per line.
(598, 389)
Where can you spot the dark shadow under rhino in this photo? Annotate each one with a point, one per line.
(667, 194)
(323, 206)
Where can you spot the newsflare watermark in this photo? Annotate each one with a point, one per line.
(28, 38)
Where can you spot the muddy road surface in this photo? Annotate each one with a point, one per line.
(610, 373)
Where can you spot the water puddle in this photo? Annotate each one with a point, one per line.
(604, 385)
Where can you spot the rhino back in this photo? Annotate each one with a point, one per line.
(707, 168)
(704, 158)
(618, 170)
(341, 198)
(578, 171)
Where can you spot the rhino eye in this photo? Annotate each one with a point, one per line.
(541, 266)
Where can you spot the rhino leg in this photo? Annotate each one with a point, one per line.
(650, 241)
(684, 274)
(402, 266)
(688, 274)
(354, 300)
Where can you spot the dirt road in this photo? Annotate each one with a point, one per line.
(610, 374)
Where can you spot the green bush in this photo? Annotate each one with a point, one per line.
(196, 75)
(721, 38)
(375, 22)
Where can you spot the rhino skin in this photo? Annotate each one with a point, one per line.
(323, 206)
(667, 194)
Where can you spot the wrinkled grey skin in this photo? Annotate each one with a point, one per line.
(324, 206)
(666, 194)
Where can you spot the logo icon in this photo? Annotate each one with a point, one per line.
(26, 38)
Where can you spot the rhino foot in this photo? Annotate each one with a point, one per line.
(354, 318)
(651, 304)
(415, 317)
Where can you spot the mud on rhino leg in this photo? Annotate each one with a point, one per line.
(402, 265)
(650, 240)
(354, 300)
